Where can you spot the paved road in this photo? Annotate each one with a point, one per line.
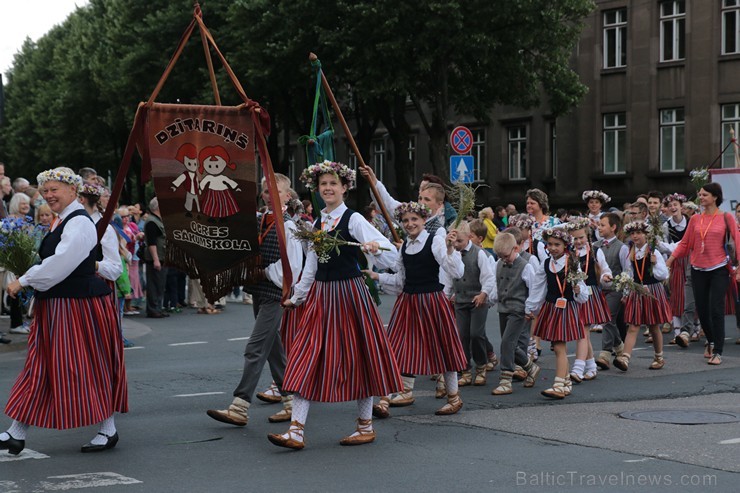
(188, 363)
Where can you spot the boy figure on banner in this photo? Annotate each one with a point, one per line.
(219, 199)
(187, 154)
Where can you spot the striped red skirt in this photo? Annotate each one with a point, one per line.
(731, 296)
(424, 336)
(219, 203)
(559, 324)
(676, 284)
(644, 310)
(289, 325)
(74, 373)
(595, 310)
(340, 351)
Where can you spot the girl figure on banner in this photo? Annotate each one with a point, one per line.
(647, 268)
(219, 202)
(595, 311)
(187, 154)
(422, 330)
(74, 374)
(340, 351)
(558, 320)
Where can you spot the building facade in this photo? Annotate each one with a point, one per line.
(663, 80)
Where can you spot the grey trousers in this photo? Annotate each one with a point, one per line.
(471, 325)
(610, 334)
(688, 317)
(513, 325)
(264, 346)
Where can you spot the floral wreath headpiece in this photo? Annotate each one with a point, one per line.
(64, 175)
(412, 207)
(639, 226)
(690, 205)
(679, 197)
(521, 221)
(310, 175)
(576, 222)
(596, 194)
(91, 189)
(559, 234)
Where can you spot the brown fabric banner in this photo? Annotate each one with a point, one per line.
(204, 172)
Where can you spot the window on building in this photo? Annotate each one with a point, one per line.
(293, 173)
(615, 38)
(379, 157)
(672, 27)
(553, 149)
(517, 152)
(672, 125)
(411, 148)
(615, 143)
(730, 121)
(479, 154)
(730, 26)
(351, 158)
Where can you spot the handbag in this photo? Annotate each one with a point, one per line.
(730, 247)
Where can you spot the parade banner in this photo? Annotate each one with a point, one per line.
(204, 172)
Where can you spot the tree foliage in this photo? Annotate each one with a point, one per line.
(70, 98)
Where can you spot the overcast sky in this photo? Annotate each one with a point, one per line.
(29, 18)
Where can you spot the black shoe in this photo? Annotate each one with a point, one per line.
(4, 340)
(156, 315)
(12, 445)
(89, 447)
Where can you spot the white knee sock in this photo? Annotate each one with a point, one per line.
(300, 409)
(451, 382)
(17, 430)
(108, 428)
(591, 365)
(578, 367)
(365, 408)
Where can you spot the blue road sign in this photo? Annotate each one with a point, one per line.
(462, 169)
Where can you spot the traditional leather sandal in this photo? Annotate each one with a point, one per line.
(271, 395)
(658, 362)
(480, 376)
(466, 378)
(504, 384)
(568, 385)
(695, 337)
(281, 416)
(380, 410)
(533, 372)
(295, 430)
(519, 374)
(603, 360)
(649, 340)
(557, 391)
(364, 433)
(590, 375)
(440, 391)
(454, 404)
(622, 361)
(575, 377)
(682, 340)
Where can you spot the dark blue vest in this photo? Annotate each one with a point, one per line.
(591, 280)
(82, 282)
(344, 265)
(553, 291)
(422, 270)
(648, 266)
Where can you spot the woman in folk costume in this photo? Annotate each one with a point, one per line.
(340, 351)
(673, 230)
(422, 330)
(647, 268)
(558, 320)
(74, 373)
(595, 311)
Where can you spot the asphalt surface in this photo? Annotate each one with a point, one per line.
(188, 363)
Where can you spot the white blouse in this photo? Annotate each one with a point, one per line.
(110, 267)
(659, 269)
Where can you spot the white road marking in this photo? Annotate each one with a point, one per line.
(86, 480)
(26, 454)
(188, 343)
(644, 459)
(731, 441)
(198, 395)
(132, 348)
(239, 339)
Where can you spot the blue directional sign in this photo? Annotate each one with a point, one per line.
(462, 169)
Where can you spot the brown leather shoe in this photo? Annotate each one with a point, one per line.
(270, 395)
(236, 414)
(281, 416)
(380, 410)
(454, 404)
(296, 429)
(365, 434)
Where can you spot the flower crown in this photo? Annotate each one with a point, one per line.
(559, 234)
(91, 189)
(640, 226)
(576, 222)
(690, 205)
(596, 194)
(413, 208)
(521, 221)
(679, 197)
(64, 175)
(310, 175)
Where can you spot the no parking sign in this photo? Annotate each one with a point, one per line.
(461, 140)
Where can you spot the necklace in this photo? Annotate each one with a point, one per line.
(703, 232)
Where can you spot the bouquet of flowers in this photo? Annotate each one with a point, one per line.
(624, 284)
(322, 242)
(462, 197)
(18, 238)
(575, 276)
(699, 177)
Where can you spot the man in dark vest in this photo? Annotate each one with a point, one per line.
(156, 273)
